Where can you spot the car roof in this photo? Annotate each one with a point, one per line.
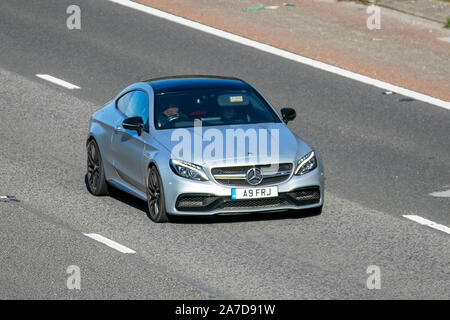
(193, 82)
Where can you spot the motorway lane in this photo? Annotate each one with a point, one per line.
(42, 161)
(34, 264)
(257, 256)
(381, 151)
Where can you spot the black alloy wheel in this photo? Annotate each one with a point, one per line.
(155, 196)
(95, 173)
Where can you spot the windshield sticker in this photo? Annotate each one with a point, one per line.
(236, 99)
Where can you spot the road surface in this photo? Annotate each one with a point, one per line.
(384, 155)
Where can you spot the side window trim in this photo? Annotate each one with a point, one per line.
(117, 101)
(146, 125)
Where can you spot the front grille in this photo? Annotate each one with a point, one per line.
(244, 183)
(223, 174)
(254, 203)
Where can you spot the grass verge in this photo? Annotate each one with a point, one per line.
(447, 24)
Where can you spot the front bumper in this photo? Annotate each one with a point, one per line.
(183, 196)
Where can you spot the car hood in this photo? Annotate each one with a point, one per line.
(251, 151)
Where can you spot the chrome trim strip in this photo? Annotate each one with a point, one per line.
(231, 176)
(276, 173)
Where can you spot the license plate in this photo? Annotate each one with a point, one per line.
(254, 193)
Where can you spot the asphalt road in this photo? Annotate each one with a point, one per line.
(384, 155)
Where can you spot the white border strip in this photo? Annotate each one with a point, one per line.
(282, 53)
(57, 81)
(109, 243)
(428, 223)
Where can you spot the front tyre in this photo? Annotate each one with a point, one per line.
(95, 172)
(155, 196)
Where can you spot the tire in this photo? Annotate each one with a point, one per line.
(155, 196)
(95, 172)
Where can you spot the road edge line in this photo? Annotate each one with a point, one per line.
(283, 53)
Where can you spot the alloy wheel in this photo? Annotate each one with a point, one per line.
(154, 193)
(93, 164)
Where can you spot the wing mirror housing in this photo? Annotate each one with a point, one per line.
(134, 123)
(288, 114)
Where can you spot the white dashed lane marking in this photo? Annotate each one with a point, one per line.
(57, 81)
(428, 223)
(441, 194)
(109, 243)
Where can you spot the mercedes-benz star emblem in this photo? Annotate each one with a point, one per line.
(254, 176)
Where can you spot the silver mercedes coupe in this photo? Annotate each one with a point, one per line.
(202, 145)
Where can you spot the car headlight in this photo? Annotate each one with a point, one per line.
(306, 164)
(188, 170)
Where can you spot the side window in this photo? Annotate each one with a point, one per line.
(138, 105)
(123, 102)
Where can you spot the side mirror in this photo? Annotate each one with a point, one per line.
(133, 123)
(288, 114)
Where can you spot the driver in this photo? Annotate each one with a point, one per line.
(170, 111)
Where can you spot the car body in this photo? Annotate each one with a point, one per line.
(131, 146)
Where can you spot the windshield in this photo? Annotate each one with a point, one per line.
(213, 107)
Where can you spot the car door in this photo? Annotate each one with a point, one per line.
(127, 146)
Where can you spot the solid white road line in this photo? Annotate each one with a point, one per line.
(57, 81)
(283, 53)
(109, 243)
(441, 194)
(428, 223)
